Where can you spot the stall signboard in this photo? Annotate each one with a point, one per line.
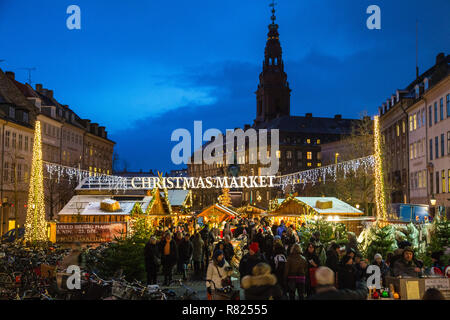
(442, 284)
(89, 232)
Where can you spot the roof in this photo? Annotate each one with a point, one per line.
(316, 125)
(90, 205)
(225, 210)
(177, 197)
(339, 207)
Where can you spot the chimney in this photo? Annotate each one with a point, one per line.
(309, 115)
(440, 58)
(88, 125)
(11, 75)
(338, 117)
(247, 126)
(38, 87)
(50, 94)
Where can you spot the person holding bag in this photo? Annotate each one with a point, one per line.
(217, 274)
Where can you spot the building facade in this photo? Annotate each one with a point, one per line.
(414, 125)
(66, 140)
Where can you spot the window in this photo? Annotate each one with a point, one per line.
(309, 155)
(448, 186)
(423, 118)
(437, 182)
(5, 172)
(431, 149)
(430, 117)
(448, 142)
(442, 145)
(25, 117)
(426, 83)
(278, 153)
(318, 141)
(12, 112)
(418, 119)
(7, 136)
(415, 150)
(410, 123)
(443, 181)
(448, 106)
(415, 122)
(398, 130)
(431, 183)
(309, 164)
(403, 126)
(441, 108)
(411, 152)
(300, 155)
(435, 113)
(289, 154)
(308, 141)
(20, 141)
(436, 146)
(319, 164)
(14, 140)
(26, 143)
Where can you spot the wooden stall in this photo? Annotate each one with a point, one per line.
(251, 211)
(414, 288)
(217, 213)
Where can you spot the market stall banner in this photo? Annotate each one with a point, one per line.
(89, 232)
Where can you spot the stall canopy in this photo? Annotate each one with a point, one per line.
(218, 213)
(298, 206)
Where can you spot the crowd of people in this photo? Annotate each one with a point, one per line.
(275, 265)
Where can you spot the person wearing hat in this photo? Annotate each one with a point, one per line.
(261, 284)
(249, 260)
(406, 266)
(217, 273)
(378, 261)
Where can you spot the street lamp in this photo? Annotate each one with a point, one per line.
(433, 204)
(336, 155)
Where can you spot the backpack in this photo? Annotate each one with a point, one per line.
(280, 261)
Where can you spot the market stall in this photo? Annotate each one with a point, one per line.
(250, 210)
(217, 213)
(297, 209)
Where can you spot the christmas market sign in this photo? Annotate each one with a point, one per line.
(89, 232)
(202, 183)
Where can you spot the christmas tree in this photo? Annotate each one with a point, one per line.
(35, 225)
(224, 198)
(375, 240)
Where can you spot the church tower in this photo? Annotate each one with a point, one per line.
(273, 95)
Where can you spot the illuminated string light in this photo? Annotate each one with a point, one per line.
(380, 200)
(35, 224)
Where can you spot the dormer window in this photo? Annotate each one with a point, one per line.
(398, 96)
(12, 112)
(25, 117)
(417, 90)
(392, 100)
(425, 83)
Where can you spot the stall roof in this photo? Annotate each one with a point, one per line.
(90, 205)
(339, 207)
(177, 197)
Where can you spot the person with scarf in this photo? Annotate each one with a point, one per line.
(217, 274)
(169, 256)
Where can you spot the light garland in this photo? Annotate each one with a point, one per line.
(322, 173)
(35, 224)
(380, 200)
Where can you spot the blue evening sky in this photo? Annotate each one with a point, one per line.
(146, 68)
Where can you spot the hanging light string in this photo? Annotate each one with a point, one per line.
(322, 173)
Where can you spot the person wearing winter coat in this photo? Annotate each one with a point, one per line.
(169, 256)
(217, 274)
(281, 228)
(333, 257)
(327, 291)
(407, 265)
(279, 261)
(197, 253)
(261, 284)
(185, 250)
(227, 231)
(361, 270)
(152, 260)
(295, 273)
(347, 274)
(251, 259)
(313, 264)
(384, 269)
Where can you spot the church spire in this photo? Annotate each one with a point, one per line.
(273, 94)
